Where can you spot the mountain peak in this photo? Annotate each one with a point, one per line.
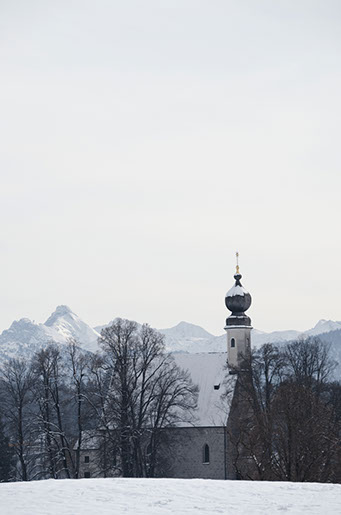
(324, 326)
(63, 310)
(322, 322)
(185, 329)
(183, 323)
(60, 311)
(68, 325)
(23, 323)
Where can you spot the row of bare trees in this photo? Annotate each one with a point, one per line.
(125, 394)
(287, 424)
(147, 392)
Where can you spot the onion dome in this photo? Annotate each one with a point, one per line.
(238, 300)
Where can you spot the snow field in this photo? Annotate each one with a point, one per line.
(167, 496)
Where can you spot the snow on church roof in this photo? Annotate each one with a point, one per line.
(209, 372)
(236, 290)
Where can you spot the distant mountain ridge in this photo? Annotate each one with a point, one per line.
(181, 340)
(25, 337)
(187, 337)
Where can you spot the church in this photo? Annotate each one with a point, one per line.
(202, 446)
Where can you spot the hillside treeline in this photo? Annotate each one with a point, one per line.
(127, 394)
(286, 424)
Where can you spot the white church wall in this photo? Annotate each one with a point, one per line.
(188, 453)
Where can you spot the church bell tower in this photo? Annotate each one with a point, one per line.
(238, 324)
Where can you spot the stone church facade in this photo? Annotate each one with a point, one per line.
(202, 446)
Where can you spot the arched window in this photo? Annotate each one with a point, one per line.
(206, 454)
(233, 342)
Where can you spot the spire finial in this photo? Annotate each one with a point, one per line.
(237, 263)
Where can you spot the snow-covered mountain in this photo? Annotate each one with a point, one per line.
(68, 325)
(260, 338)
(186, 330)
(190, 338)
(324, 326)
(185, 337)
(321, 328)
(25, 337)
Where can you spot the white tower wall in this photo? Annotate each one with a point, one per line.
(238, 324)
(238, 343)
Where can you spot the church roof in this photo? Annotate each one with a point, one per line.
(209, 372)
(216, 387)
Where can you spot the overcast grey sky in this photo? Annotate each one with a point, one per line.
(144, 142)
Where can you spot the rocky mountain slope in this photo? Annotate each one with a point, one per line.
(68, 325)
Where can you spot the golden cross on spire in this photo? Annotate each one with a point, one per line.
(237, 265)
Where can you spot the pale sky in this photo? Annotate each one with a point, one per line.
(143, 142)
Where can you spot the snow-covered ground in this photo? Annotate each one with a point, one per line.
(167, 496)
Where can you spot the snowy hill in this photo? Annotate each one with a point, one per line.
(167, 496)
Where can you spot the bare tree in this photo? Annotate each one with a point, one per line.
(173, 400)
(42, 368)
(305, 434)
(52, 396)
(78, 366)
(100, 413)
(284, 426)
(146, 393)
(309, 363)
(16, 383)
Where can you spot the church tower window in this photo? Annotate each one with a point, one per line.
(233, 342)
(206, 454)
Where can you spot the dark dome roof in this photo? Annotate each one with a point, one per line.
(237, 299)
